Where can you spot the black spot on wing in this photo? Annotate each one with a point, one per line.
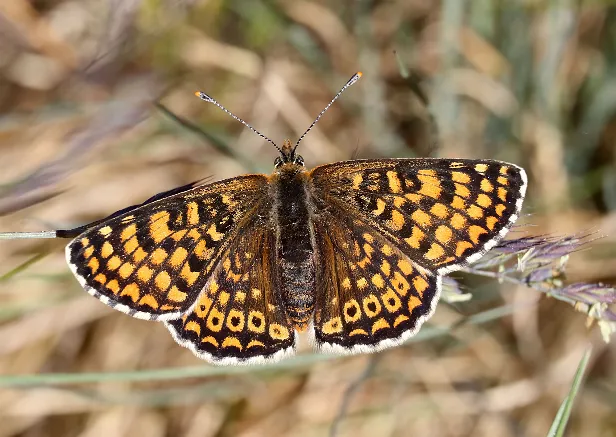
(195, 263)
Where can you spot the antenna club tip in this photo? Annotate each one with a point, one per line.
(359, 74)
(198, 93)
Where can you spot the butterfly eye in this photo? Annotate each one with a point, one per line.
(299, 160)
(278, 162)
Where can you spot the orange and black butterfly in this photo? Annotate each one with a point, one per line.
(353, 252)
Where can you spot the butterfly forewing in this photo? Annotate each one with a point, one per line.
(152, 262)
(239, 318)
(442, 213)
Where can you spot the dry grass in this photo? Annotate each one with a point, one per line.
(81, 137)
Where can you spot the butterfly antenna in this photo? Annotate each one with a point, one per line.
(350, 82)
(209, 99)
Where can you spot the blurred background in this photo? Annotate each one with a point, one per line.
(97, 112)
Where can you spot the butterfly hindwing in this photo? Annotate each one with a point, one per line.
(239, 318)
(445, 213)
(369, 294)
(152, 261)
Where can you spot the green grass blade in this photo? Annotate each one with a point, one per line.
(562, 416)
(23, 266)
(291, 364)
(156, 374)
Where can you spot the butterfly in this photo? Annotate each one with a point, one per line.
(352, 252)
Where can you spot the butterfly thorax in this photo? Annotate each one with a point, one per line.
(294, 243)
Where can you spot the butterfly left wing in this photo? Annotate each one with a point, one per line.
(152, 261)
(239, 318)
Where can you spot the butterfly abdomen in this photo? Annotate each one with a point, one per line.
(294, 245)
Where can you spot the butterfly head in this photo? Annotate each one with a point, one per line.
(288, 156)
(287, 151)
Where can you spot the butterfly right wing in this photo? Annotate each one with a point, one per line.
(239, 317)
(152, 262)
(389, 229)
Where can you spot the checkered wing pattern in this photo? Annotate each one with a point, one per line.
(390, 228)
(441, 213)
(239, 318)
(369, 294)
(152, 262)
